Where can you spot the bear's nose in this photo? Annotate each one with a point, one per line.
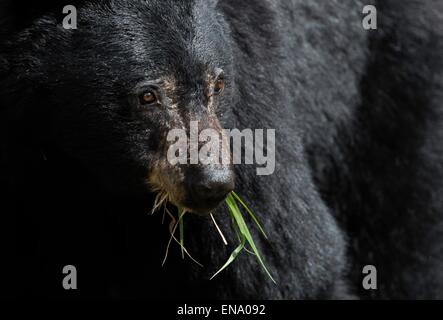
(212, 188)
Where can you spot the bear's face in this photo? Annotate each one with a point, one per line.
(130, 73)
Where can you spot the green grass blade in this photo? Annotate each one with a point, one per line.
(260, 259)
(235, 227)
(235, 211)
(254, 218)
(241, 237)
(241, 230)
(232, 257)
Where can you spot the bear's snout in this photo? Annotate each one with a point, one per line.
(209, 186)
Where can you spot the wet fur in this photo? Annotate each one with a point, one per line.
(359, 158)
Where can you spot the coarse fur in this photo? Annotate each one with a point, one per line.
(359, 159)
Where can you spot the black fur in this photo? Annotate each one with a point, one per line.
(359, 163)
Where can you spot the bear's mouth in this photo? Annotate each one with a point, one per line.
(164, 201)
(169, 188)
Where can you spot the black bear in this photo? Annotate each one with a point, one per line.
(84, 118)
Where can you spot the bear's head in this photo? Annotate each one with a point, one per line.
(108, 93)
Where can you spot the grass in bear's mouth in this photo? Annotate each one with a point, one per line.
(238, 223)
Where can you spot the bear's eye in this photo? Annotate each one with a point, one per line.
(148, 97)
(219, 85)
